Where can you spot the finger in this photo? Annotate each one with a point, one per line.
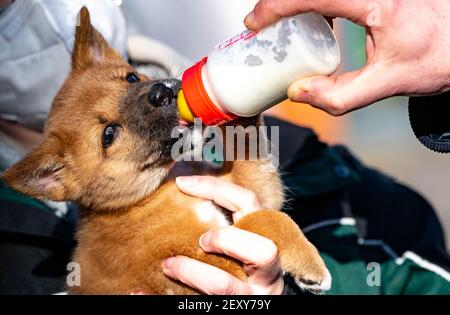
(224, 193)
(203, 277)
(344, 93)
(269, 11)
(259, 254)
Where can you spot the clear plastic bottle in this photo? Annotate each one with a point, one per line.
(252, 71)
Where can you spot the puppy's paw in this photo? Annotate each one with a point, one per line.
(298, 256)
(308, 270)
(316, 284)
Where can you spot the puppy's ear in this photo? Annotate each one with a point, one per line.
(90, 46)
(40, 174)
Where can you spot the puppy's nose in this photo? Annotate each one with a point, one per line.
(160, 95)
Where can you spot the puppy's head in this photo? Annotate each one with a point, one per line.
(107, 140)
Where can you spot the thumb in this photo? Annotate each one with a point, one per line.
(344, 93)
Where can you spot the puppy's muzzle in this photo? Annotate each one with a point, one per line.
(163, 93)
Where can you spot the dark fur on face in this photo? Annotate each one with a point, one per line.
(152, 124)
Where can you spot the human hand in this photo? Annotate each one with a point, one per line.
(407, 50)
(258, 254)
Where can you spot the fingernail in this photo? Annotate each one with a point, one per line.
(304, 85)
(249, 19)
(187, 181)
(299, 96)
(299, 91)
(205, 239)
(167, 263)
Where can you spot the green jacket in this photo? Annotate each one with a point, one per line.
(375, 235)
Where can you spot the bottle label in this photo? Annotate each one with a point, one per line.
(245, 35)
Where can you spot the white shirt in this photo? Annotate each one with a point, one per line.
(36, 39)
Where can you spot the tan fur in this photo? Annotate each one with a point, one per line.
(132, 219)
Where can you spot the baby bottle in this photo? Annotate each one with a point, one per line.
(252, 71)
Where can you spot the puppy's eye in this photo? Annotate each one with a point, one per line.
(109, 134)
(132, 78)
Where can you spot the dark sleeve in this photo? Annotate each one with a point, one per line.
(35, 245)
(430, 121)
(398, 215)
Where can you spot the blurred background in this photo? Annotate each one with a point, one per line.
(379, 135)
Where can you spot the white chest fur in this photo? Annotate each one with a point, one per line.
(208, 212)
